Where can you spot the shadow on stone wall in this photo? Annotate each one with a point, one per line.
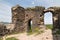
(56, 34)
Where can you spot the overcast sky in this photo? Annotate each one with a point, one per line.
(5, 8)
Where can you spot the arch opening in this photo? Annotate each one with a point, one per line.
(48, 20)
(30, 25)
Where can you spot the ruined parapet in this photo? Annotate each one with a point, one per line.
(36, 8)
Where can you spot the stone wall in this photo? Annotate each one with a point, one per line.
(22, 17)
(3, 30)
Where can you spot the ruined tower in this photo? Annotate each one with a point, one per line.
(18, 16)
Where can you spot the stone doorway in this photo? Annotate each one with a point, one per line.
(29, 25)
(48, 20)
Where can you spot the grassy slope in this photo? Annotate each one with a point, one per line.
(49, 26)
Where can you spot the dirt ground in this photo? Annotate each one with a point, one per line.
(47, 35)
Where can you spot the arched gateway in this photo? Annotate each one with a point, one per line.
(54, 15)
(22, 17)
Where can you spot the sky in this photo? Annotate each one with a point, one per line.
(6, 5)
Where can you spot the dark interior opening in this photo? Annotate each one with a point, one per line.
(29, 25)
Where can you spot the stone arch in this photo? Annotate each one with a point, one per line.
(29, 24)
(55, 17)
(49, 10)
(48, 18)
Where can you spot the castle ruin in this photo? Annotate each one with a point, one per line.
(25, 19)
(22, 17)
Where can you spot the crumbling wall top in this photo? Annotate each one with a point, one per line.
(17, 7)
(52, 9)
(36, 8)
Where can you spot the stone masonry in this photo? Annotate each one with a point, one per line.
(26, 19)
(22, 17)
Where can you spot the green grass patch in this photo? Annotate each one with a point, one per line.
(39, 32)
(49, 26)
(35, 31)
(12, 38)
(29, 32)
(0, 38)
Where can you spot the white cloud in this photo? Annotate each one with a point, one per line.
(33, 2)
(43, 0)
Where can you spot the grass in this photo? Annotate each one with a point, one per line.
(0, 38)
(30, 32)
(36, 31)
(12, 38)
(39, 32)
(49, 26)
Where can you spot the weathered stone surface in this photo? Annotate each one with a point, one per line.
(3, 30)
(22, 17)
(26, 19)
